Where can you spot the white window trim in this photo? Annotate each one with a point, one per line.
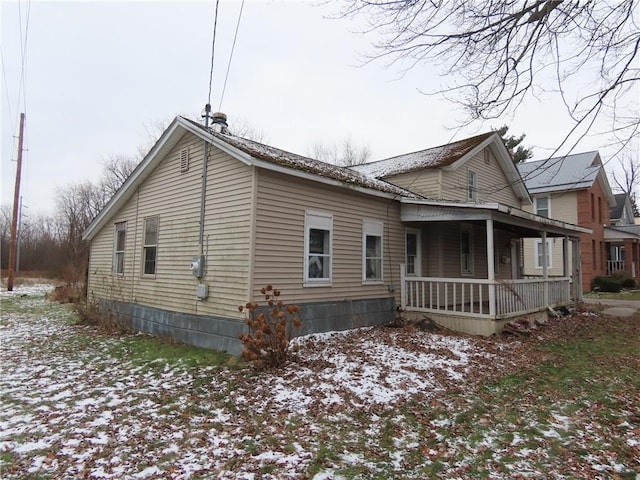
(537, 243)
(145, 245)
(115, 247)
(468, 229)
(472, 187)
(373, 228)
(323, 221)
(535, 205)
(418, 234)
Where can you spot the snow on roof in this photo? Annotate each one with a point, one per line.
(570, 172)
(308, 165)
(430, 158)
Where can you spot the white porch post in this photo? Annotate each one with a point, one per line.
(403, 286)
(545, 268)
(577, 271)
(491, 273)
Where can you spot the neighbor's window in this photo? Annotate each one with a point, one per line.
(372, 250)
(466, 250)
(539, 255)
(472, 186)
(150, 245)
(120, 235)
(318, 247)
(412, 253)
(542, 206)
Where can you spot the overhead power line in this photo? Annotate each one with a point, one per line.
(235, 37)
(213, 50)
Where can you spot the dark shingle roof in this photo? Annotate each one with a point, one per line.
(618, 210)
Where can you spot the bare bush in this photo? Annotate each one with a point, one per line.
(267, 343)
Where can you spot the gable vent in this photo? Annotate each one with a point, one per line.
(184, 160)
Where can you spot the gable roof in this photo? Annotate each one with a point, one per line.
(436, 157)
(250, 153)
(282, 158)
(567, 173)
(618, 209)
(449, 157)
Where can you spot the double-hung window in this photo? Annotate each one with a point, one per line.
(542, 206)
(150, 245)
(372, 232)
(472, 186)
(119, 239)
(317, 248)
(539, 253)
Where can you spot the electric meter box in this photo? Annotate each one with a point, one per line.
(202, 291)
(197, 266)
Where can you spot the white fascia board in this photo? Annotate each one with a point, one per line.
(505, 161)
(497, 207)
(167, 140)
(216, 142)
(606, 187)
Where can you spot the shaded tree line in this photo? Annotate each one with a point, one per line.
(52, 244)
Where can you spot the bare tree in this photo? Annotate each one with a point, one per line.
(494, 53)
(115, 170)
(629, 181)
(347, 154)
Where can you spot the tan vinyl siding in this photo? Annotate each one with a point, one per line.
(175, 198)
(563, 206)
(423, 182)
(279, 254)
(493, 186)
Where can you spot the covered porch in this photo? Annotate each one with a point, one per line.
(468, 273)
(623, 250)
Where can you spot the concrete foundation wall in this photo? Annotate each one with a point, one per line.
(471, 325)
(220, 333)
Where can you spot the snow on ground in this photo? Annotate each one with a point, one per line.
(73, 405)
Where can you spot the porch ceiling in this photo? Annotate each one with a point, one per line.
(523, 222)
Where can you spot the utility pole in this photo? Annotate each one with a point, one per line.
(14, 222)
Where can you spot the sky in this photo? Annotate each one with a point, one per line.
(100, 78)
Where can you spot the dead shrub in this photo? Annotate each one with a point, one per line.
(66, 293)
(270, 330)
(107, 321)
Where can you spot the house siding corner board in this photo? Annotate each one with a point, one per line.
(283, 201)
(174, 198)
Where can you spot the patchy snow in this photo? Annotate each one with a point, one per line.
(431, 157)
(73, 406)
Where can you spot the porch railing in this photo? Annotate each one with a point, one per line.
(481, 297)
(614, 266)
